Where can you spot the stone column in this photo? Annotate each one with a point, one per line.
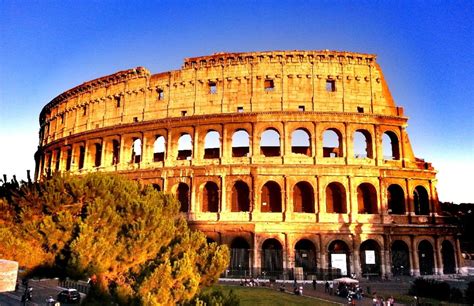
(103, 154)
(346, 143)
(438, 270)
(224, 205)
(122, 159)
(458, 255)
(415, 268)
(287, 204)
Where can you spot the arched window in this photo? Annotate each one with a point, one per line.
(370, 258)
(336, 198)
(367, 199)
(82, 156)
(421, 201)
(339, 257)
(98, 154)
(239, 256)
(426, 257)
(68, 159)
(332, 143)
(159, 149)
(136, 150)
(396, 200)
(271, 197)
(390, 146)
(58, 159)
(272, 257)
(270, 143)
(449, 263)
(183, 197)
(303, 198)
(240, 197)
(210, 197)
(115, 152)
(240, 143)
(400, 258)
(362, 144)
(212, 145)
(305, 256)
(185, 147)
(300, 142)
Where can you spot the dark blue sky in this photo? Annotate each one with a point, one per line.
(425, 49)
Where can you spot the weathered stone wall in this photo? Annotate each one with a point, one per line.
(98, 126)
(8, 275)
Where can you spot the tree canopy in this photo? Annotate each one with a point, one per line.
(128, 238)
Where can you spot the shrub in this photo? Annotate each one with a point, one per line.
(470, 293)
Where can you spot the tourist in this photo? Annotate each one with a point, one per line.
(331, 288)
(326, 287)
(314, 284)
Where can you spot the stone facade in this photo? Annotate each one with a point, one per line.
(295, 159)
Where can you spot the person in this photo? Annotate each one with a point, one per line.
(331, 288)
(326, 287)
(50, 301)
(314, 284)
(391, 301)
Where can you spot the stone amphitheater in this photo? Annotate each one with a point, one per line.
(299, 161)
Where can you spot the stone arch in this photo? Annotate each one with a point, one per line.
(449, 261)
(210, 197)
(301, 142)
(426, 257)
(370, 258)
(239, 256)
(400, 258)
(390, 146)
(303, 198)
(182, 193)
(421, 201)
(240, 143)
(396, 200)
(305, 255)
(212, 145)
(159, 149)
(339, 257)
(362, 144)
(136, 150)
(332, 143)
(240, 197)
(185, 147)
(270, 143)
(271, 197)
(367, 199)
(272, 257)
(336, 198)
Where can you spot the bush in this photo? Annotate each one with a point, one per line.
(215, 296)
(470, 293)
(456, 295)
(430, 288)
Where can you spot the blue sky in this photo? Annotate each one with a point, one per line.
(425, 49)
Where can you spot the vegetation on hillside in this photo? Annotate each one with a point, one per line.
(128, 238)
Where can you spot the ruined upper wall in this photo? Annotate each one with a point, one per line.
(320, 81)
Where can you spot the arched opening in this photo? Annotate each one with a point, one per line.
(240, 197)
(367, 199)
(136, 150)
(239, 256)
(272, 258)
(362, 144)
(336, 198)
(82, 156)
(421, 201)
(183, 197)
(303, 198)
(332, 143)
(98, 154)
(115, 152)
(210, 197)
(339, 258)
(400, 258)
(396, 200)
(271, 197)
(68, 159)
(270, 143)
(159, 149)
(449, 263)
(300, 142)
(426, 258)
(212, 145)
(240, 144)
(390, 146)
(305, 256)
(185, 147)
(58, 160)
(370, 258)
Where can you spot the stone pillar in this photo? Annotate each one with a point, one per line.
(255, 147)
(122, 159)
(383, 262)
(193, 201)
(287, 202)
(346, 143)
(256, 254)
(226, 145)
(378, 150)
(224, 205)
(438, 270)
(286, 141)
(458, 256)
(415, 268)
(196, 154)
(103, 154)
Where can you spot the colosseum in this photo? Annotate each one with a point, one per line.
(299, 161)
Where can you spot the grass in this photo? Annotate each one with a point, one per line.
(265, 296)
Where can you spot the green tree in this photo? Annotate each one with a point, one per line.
(130, 239)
